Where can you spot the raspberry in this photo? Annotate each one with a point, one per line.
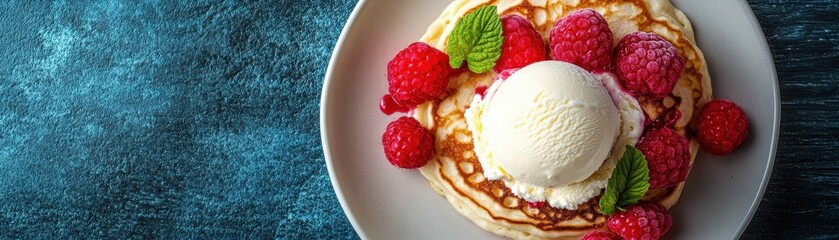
(417, 74)
(722, 127)
(668, 156)
(407, 144)
(600, 235)
(582, 38)
(647, 65)
(522, 44)
(641, 221)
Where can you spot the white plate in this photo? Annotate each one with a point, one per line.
(383, 202)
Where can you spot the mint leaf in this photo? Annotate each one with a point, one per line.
(477, 39)
(629, 182)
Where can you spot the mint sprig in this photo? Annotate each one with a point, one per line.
(629, 182)
(476, 38)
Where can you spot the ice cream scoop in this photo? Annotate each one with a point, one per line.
(550, 123)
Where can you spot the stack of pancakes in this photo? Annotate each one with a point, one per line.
(455, 172)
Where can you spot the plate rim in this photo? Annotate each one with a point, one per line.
(776, 123)
(324, 135)
(350, 24)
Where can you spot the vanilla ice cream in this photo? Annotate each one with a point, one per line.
(552, 123)
(547, 130)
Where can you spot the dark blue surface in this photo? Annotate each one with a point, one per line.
(802, 198)
(200, 120)
(155, 119)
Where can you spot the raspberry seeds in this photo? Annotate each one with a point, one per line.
(522, 44)
(641, 221)
(582, 38)
(668, 156)
(407, 144)
(722, 127)
(417, 74)
(647, 65)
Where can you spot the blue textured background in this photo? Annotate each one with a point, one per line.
(160, 119)
(200, 120)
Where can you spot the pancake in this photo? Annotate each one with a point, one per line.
(455, 172)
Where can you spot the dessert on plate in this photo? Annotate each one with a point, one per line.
(557, 119)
